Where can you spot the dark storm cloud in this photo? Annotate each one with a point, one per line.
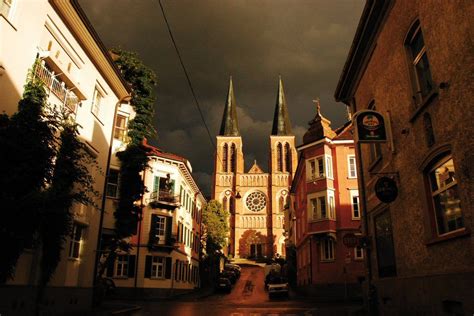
(254, 41)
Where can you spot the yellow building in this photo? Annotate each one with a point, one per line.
(255, 199)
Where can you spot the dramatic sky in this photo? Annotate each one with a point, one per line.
(255, 41)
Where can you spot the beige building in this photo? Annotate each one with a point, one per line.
(166, 249)
(79, 76)
(255, 199)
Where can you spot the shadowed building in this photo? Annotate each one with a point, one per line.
(255, 199)
(413, 62)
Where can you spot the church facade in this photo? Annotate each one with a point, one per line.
(256, 200)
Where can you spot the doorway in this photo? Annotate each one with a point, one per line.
(256, 250)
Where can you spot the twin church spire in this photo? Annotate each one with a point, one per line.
(281, 119)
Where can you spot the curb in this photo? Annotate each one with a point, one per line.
(126, 310)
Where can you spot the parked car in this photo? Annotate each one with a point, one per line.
(278, 286)
(231, 275)
(224, 285)
(236, 266)
(232, 268)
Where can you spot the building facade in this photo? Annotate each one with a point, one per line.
(166, 251)
(81, 78)
(325, 208)
(412, 61)
(255, 199)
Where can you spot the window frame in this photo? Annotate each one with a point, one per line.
(419, 97)
(354, 194)
(157, 265)
(349, 171)
(356, 255)
(75, 245)
(328, 250)
(10, 6)
(315, 173)
(122, 262)
(436, 163)
(328, 167)
(113, 184)
(96, 106)
(121, 131)
(315, 212)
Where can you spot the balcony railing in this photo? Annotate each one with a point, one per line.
(67, 97)
(164, 198)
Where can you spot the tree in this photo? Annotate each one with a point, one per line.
(134, 159)
(216, 222)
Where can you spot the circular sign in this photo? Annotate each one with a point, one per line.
(350, 240)
(386, 189)
(370, 127)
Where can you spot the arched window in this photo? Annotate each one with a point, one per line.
(224, 203)
(279, 157)
(281, 204)
(429, 133)
(225, 150)
(233, 158)
(288, 157)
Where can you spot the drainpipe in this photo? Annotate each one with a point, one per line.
(104, 190)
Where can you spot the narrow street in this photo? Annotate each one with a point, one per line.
(248, 298)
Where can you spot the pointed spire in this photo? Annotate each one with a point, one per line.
(229, 125)
(281, 119)
(319, 127)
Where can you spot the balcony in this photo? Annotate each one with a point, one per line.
(167, 245)
(57, 86)
(164, 199)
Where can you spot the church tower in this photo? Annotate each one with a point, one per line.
(282, 166)
(254, 198)
(229, 161)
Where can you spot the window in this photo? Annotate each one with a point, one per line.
(96, 102)
(225, 152)
(121, 268)
(233, 158)
(355, 204)
(75, 243)
(5, 7)
(158, 267)
(329, 167)
(315, 168)
(112, 183)
(420, 66)
(352, 166)
(157, 229)
(445, 196)
(120, 131)
(358, 253)
(322, 206)
(279, 157)
(327, 250)
(288, 158)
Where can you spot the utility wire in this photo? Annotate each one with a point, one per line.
(187, 76)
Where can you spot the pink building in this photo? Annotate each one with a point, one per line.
(325, 208)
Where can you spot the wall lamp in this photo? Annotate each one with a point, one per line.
(235, 195)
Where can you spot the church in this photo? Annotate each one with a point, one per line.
(255, 200)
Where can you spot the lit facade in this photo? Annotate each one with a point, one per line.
(80, 77)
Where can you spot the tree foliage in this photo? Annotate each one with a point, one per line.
(216, 222)
(133, 160)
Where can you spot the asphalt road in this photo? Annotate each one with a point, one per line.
(248, 298)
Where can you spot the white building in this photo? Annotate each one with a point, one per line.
(81, 76)
(166, 250)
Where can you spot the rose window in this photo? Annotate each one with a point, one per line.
(256, 201)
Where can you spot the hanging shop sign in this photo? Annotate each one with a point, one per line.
(350, 240)
(370, 127)
(386, 189)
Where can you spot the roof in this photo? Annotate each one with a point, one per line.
(229, 125)
(345, 132)
(281, 119)
(77, 22)
(371, 20)
(255, 168)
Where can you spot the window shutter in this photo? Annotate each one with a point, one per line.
(148, 267)
(131, 266)
(156, 184)
(110, 268)
(152, 239)
(168, 266)
(169, 222)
